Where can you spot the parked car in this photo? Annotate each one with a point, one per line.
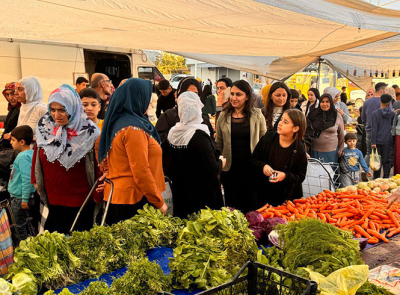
(176, 79)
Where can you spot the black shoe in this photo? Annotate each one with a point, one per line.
(364, 176)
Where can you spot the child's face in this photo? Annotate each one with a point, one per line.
(17, 145)
(351, 143)
(92, 108)
(293, 102)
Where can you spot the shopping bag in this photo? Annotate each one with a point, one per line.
(6, 245)
(375, 160)
(167, 196)
(344, 281)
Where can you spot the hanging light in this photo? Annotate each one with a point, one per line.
(376, 73)
(365, 73)
(355, 72)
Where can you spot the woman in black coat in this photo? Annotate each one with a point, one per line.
(195, 162)
(280, 162)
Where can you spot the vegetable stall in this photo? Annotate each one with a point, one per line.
(304, 241)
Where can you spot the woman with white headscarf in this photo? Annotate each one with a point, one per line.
(195, 163)
(29, 93)
(63, 166)
(340, 107)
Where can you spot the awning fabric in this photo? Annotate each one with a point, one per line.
(275, 38)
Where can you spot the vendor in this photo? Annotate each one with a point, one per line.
(63, 165)
(280, 162)
(192, 148)
(130, 152)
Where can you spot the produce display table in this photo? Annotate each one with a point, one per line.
(383, 254)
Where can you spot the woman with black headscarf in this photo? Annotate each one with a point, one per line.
(169, 119)
(325, 131)
(312, 102)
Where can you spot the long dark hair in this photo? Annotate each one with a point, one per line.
(270, 104)
(206, 92)
(299, 120)
(248, 105)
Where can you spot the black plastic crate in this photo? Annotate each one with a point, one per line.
(264, 280)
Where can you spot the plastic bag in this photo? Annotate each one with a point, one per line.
(386, 276)
(375, 160)
(344, 281)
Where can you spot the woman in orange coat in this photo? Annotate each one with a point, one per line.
(130, 152)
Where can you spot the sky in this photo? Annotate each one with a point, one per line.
(386, 3)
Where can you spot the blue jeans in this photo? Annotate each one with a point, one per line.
(384, 152)
(20, 216)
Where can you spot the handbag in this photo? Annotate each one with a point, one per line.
(7, 157)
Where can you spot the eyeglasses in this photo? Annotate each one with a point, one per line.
(108, 81)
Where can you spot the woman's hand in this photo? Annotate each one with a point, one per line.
(280, 176)
(164, 209)
(101, 186)
(340, 111)
(7, 136)
(223, 160)
(267, 170)
(24, 205)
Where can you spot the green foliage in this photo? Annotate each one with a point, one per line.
(169, 63)
(371, 289)
(49, 257)
(142, 278)
(211, 249)
(318, 246)
(96, 288)
(99, 250)
(26, 283)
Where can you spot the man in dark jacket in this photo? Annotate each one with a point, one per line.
(166, 99)
(381, 136)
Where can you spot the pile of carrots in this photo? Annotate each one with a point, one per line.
(365, 213)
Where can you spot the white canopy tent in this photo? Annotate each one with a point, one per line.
(275, 38)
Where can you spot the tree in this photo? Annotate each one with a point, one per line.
(169, 63)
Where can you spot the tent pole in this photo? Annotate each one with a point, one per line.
(319, 72)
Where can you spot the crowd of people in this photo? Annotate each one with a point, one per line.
(257, 153)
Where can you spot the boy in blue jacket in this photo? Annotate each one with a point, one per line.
(381, 137)
(19, 186)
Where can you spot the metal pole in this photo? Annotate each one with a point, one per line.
(319, 72)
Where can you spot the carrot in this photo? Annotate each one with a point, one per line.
(362, 232)
(300, 201)
(368, 213)
(394, 219)
(393, 232)
(339, 210)
(378, 235)
(373, 241)
(322, 216)
(381, 216)
(372, 225)
(365, 224)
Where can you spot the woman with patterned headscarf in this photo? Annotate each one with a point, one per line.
(130, 152)
(12, 117)
(63, 165)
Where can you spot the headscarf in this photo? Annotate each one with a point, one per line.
(69, 143)
(322, 120)
(127, 107)
(332, 91)
(34, 98)
(10, 86)
(264, 93)
(190, 115)
(184, 85)
(316, 103)
(392, 92)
